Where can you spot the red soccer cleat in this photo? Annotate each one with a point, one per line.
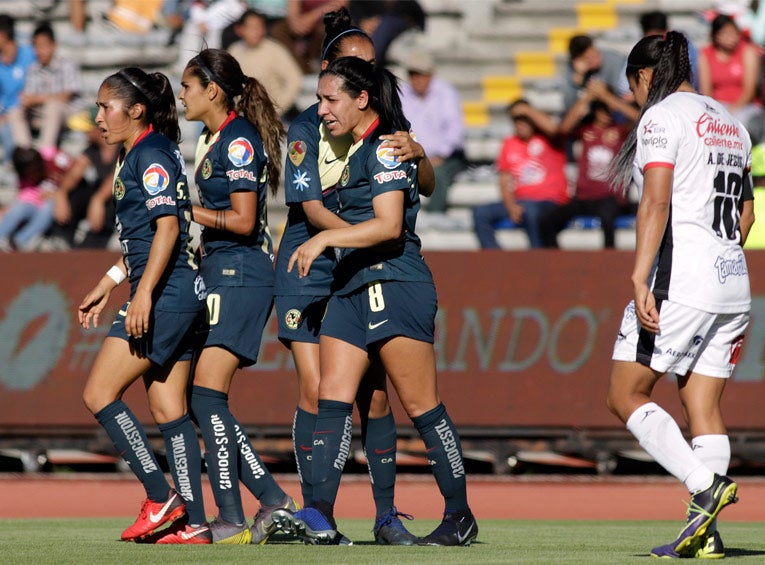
(180, 532)
(154, 514)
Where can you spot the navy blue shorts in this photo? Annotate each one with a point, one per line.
(381, 310)
(300, 317)
(171, 336)
(236, 317)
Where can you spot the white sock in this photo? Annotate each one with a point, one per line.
(661, 437)
(714, 452)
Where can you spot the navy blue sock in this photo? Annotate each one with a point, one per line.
(379, 442)
(303, 426)
(253, 473)
(214, 418)
(185, 461)
(130, 440)
(331, 447)
(442, 444)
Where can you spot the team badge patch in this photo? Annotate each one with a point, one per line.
(118, 189)
(293, 318)
(155, 179)
(206, 169)
(240, 152)
(345, 177)
(296, 152)
(386, 157)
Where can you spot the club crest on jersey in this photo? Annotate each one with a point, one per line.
(293, 318)
(206, 169)
(345, 177)
(296, 151)
(118, 189)
(386, 157)
(240, 152)
(155, 179)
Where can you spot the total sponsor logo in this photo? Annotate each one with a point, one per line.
(386, 157)
(241, 174)
(155, 179)
(240, 152)
(387, 176)
(152, 203)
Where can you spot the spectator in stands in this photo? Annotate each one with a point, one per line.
(301, 30)
(532, 177)
(52, 85)
(26, 220)
(729, 71)
(589, 62)
(591, 123)
(656, 22)
(134, 16)
(385, 20)
(267, 60)
(434, 108)
(15, 60)
(85, 191)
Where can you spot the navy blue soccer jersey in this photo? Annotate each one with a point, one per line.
(233, 159)
(372, 170)
(315, 161)
(150, 182)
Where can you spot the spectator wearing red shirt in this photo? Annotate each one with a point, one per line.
(532, 178)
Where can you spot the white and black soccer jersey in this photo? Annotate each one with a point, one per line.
(150, 182)
(700, 261)
(232, 160)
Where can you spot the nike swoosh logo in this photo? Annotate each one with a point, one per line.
(195, 533)
(154, 518)
(377, 325)
(462, 538)
(383, 451)
(330, 161)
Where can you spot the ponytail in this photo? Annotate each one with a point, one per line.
(256, 106)
(134, 86)
(668, 57)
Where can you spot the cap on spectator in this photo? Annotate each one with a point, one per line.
(420, 62)
(83, 121)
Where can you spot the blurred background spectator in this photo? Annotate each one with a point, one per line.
(26, 220)
(656, 22)
(599, 138)
(385, 20)
(301, 30)
(15, 60)
(83, 209)
(50, 92)
(532, 177)
(434, 109)
(267, 60)
(729, 71)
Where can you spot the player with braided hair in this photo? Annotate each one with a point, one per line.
(691, 160)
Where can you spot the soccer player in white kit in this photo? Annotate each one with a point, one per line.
(691, 286)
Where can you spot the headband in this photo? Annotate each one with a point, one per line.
(212, 77)
(126, 76)
(338, 36)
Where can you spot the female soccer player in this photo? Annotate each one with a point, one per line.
(383, 304)
(315, 162)
(233, 172)
(152, 335)
(691, 288)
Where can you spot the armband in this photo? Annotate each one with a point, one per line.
(116, 274)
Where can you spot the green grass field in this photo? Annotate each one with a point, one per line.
(499, 541)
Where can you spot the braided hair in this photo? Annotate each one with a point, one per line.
(668, 57)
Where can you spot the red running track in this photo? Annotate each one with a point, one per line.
(511, 497)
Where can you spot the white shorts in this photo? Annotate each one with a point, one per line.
(688, 340)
